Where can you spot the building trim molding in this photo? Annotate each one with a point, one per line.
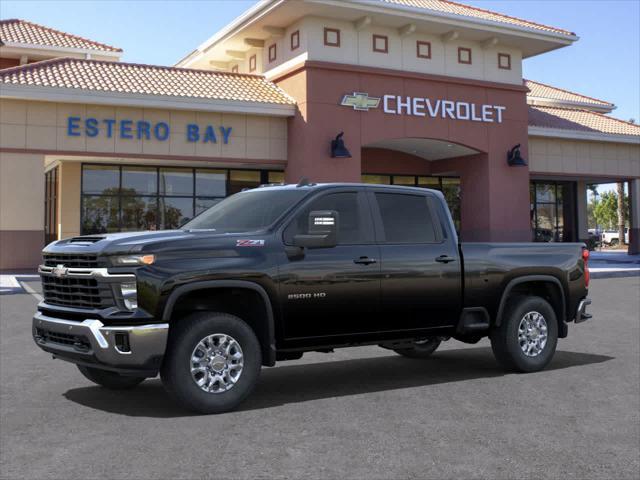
(86, 155)
(73, 95)
(315, 64)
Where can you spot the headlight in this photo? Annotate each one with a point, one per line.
(129, 292)
(126, 260)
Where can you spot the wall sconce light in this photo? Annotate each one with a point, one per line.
(338, 150)
(514, 159)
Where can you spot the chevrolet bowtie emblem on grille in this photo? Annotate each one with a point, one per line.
(59, 271)
(360, 101)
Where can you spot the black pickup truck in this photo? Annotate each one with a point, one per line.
(273, 272)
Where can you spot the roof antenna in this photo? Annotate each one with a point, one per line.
(304, 182)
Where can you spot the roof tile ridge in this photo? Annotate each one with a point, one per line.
(44, 27)
(568, 91)
(484, 10)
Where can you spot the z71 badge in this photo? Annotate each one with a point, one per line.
(249, 243)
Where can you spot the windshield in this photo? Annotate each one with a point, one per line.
(247, 211)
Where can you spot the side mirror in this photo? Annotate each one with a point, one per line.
(323, 230)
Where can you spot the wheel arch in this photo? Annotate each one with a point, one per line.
(545, 286)
(263, 325)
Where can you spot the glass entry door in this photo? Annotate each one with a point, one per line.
(553, 211)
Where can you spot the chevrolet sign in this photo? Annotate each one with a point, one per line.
(426, 107)
(360, 101)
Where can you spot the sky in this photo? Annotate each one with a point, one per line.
(604, 63)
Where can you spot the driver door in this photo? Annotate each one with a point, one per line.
(335, 291)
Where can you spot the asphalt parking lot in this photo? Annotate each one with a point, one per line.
(357, 413)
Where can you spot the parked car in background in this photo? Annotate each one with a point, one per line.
(612, 237)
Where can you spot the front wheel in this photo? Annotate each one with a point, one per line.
(110, 380)
(420, 349)
(212, 363)
(526, 339)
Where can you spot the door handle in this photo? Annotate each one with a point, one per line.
(365, 261)
(445, 259)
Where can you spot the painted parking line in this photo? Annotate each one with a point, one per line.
(12, 284)
(9, 284)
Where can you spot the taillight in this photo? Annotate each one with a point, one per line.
(585, 257)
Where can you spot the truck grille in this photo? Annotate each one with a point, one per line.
(76, 292)
(71, 260)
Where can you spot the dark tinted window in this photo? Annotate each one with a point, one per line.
(406, 218)
(351, 227)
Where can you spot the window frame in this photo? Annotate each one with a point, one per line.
(326, 40)
(253, 63)
(429, 199)
(363, 207)
(273, 52)
(508, 57)
(465, 49)
(423, 43)
(295, 44)
(375, 37)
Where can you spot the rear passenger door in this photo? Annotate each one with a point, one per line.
(420, 266)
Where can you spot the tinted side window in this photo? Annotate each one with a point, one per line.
(352, 228)
(406, 218)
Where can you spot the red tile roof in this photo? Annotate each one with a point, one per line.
(118, 77)
(537, 89)
(29, 33)
(579, 120)
(444, 6)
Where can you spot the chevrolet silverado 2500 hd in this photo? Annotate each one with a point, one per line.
(273, 272)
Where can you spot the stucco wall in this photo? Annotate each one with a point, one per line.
(579, 157)
(356, 48)
(43, 126)
(21, 209)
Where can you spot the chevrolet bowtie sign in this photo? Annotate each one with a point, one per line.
(426, 107)
(360, 101)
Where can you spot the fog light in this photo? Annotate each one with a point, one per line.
(129, 292)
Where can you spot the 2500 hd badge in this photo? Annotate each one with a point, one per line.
(206, 314)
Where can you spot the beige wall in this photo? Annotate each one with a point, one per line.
(356, 49)
(21, 210)
(69, 199)
(21, 191)
(43, 126)
(579, 157)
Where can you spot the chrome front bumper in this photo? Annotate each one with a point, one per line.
(581, 313)
(91, 343)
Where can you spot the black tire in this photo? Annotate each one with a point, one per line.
(504, 339)
(176, 367)
(110, 380)
(419, 350)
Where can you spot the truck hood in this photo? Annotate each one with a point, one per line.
(145, 242)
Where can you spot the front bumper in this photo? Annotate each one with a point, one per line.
(126, 349)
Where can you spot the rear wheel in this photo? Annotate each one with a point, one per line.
(111, 380)
(212, 363)
(526, 339)
(420, 348)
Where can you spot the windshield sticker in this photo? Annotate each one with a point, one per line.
(249, 243)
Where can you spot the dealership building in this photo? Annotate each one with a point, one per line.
(428, 93)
